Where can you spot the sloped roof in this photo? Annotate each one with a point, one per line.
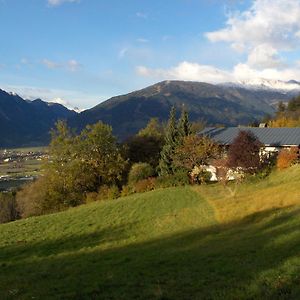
(268, 136)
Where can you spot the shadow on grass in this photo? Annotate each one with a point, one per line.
(23, 249)
(254, 259)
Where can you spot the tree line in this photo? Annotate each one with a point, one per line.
(287, 115)
(92, 165)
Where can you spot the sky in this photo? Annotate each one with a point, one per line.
(82, 52)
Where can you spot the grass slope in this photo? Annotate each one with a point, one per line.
(166, 244)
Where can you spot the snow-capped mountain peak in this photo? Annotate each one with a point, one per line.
(267, 84)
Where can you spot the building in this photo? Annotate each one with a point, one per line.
(273, 139)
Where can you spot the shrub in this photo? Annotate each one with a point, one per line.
(268, 163)
(180, 178)
(91, 197)
(108, 192)
(127, 190)
(8, 208)
(145, 185)
(287, 157)
(140, 171)
(244, 152)
(200, 175)
(30, 200)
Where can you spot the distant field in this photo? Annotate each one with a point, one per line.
(26, 167)
(176, 243)
(22, 166)
(27, 164)
(25, 149)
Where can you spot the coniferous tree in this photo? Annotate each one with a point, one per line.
(166, 166)
(184, 127)
(281, 107)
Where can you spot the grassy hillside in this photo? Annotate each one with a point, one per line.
(177, 243)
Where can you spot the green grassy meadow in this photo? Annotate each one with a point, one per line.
(175, 243)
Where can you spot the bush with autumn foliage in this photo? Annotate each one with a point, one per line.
(195, 152)
(244, 153)
(287, 157)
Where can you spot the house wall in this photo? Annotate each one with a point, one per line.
(269, 149)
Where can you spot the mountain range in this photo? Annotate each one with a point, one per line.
(27, 123)
(228, 104)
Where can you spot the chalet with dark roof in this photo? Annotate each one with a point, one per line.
(273, 139)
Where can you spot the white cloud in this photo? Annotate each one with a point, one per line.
(187, 71)
(25, 61)
(123, 52)
(59, 2)
(275, 22)
(166, 38)
(142, 40)
(244, 72)
(135, 53)
(263, 31)
(50, 64)
(71, 65)
(264, 56)
(141, 15)
(204, 73)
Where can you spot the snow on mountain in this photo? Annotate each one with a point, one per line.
(267, 84)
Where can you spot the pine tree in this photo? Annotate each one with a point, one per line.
(184, 127)
(166, 166)
(281, 107)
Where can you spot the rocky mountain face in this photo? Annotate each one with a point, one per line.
(227, 104)
(28, 123)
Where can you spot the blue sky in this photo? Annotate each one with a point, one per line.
(82, 52)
